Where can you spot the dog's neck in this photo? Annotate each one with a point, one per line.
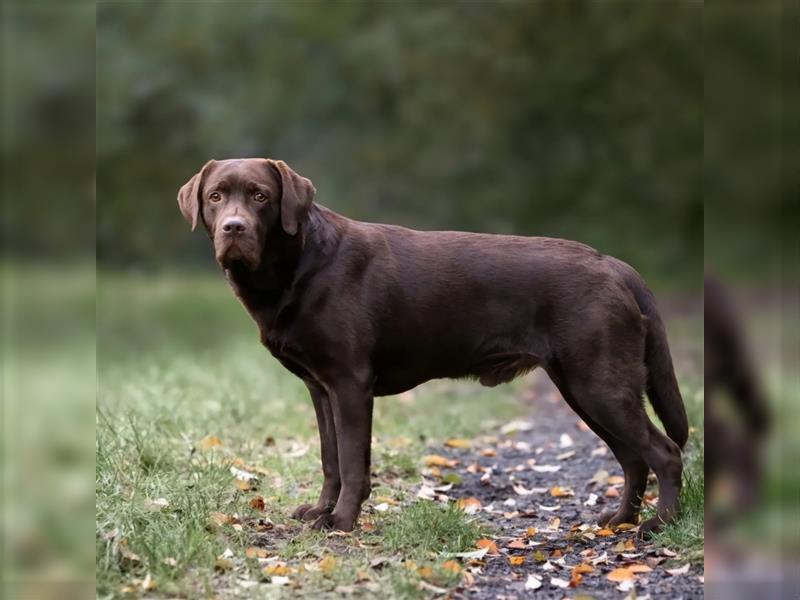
(286, 260)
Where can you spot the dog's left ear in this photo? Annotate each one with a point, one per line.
(189, 196)
(297, 193)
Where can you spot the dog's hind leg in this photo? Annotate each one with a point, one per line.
(635, 469)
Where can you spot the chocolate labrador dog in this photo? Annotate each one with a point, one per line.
(358, 310)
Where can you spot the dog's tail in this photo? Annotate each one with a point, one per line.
(662, 386)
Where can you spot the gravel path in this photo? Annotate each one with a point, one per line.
(527, 461)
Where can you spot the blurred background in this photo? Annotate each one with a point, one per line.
(568, 119)
(662, 133)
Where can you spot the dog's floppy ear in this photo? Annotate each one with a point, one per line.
(297, 193)
(189, 196)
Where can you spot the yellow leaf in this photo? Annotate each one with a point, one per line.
(327, 565)
(530, 532)
(278, 569)
(516, 561)
(219, 519)
(223, 564)
(244, 486)
(258, 503)
(469, 505)
(639, 568)
(539, 556)
(560, 492)
(605, 533)
(434, 460)
(625, 526)
(210, 441)
(425, 572)
(458, 443)
(615, 480)
(255, 552)
(620, 574)
(487, 543)
(582, 568)
(452, 566)
(488, 452)
(630, 545)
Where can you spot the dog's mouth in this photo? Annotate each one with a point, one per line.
(232, 253)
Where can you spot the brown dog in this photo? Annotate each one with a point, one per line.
(358, 310)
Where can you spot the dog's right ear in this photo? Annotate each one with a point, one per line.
(189, 196)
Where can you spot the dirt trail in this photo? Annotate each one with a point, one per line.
(518, 494)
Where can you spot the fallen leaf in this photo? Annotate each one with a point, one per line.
(327, 565)
(627, 586)
(458, 443)
(517, 544)
(469, 505)
(600, 477)
(435, 460)
(630, 545)
(255, 552)
(219, 519)
(453, 478)
(638, 568)
(600, 451)
(223, 564)
(561, 492)
(539, 556)
(425, 572)
(277, 569)
(530, 532)
(210, 441)
(620, 574)
(488, 452)
(516, 561)
(148, 584)
(258, 503)
(546, 468)
(575, 580)
(559, 583)
(489, 545)
(554, 524)
(245, 485)
(612, 493)
(616, 480)
(515, 426)
(452, 566)
(625, 526)
(565, 455)
(533, 582)
(605, 533)
(582, 568)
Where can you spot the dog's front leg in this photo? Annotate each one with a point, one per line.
(351, 401)
(329, 453)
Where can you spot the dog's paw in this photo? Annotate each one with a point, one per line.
(612, 518)
(649, 527)
(301, 510)
(331, 521)
(309, 512)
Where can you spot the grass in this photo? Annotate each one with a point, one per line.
(179, 362)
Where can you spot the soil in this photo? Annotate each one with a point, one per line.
(557, 438)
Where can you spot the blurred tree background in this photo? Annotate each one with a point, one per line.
(570, 119)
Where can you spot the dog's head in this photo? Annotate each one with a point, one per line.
(242, 202)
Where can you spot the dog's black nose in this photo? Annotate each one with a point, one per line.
(233, 226)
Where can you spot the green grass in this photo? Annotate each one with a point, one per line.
(179, 360)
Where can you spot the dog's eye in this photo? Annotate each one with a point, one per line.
(215, 196)
(259, 197)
